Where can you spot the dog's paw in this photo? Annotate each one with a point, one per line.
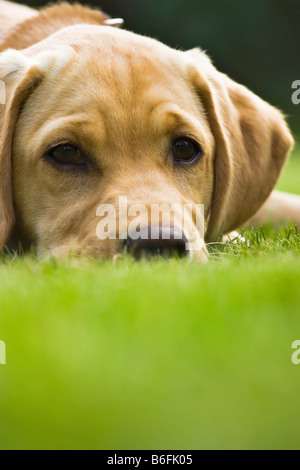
(234, 237)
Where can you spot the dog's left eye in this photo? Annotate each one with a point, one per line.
(186, 150)
(66, 155)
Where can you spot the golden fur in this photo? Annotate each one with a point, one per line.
(122, 97)
(12, 14)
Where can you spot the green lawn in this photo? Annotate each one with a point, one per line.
(155, 355)
(290, 180)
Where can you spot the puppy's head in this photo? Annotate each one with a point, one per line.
(113, 120)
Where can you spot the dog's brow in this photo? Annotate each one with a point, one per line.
(74, 125)
(174, 116)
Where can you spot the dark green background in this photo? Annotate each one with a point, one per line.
(256, 42)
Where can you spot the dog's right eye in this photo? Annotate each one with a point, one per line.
(66, 155)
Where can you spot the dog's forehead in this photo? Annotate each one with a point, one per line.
(107, 35)
(107, 44)
(107, 61)
(117, 79)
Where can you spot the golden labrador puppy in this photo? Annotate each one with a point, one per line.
(100, 125)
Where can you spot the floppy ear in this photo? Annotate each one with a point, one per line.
(19, 76)
(252, 143)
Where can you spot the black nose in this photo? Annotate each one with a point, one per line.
(157, 241)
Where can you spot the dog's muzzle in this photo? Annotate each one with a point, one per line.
(157, 241)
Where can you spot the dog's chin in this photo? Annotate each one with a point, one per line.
(113, 250)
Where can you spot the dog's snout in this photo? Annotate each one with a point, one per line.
(157, 241)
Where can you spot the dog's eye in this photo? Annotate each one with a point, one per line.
(66, 155)
(186, 150)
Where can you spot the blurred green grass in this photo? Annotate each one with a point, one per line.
(155, 355)
(290, 179)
